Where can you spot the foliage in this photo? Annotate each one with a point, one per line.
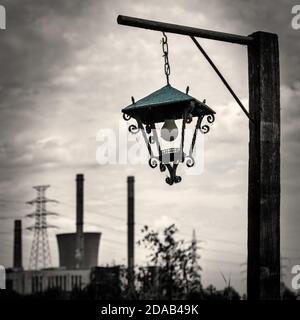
(177, 272)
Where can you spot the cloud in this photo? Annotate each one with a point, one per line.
(67, 69)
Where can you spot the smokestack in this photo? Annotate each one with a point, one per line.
(17, 263)
(79, 254)
(130, 236)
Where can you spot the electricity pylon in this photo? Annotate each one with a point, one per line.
(40, 256)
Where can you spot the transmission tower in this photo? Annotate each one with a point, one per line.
(40, 256)
(195, 257)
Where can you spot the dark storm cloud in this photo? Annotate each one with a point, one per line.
(272, 16)
(34, 50)
(32, 42)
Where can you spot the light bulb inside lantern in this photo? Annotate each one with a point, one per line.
(169, 130)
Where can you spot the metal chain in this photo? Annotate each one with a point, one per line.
(165, 49)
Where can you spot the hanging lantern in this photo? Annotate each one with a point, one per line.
(156, 117)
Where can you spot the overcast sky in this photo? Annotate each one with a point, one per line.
(67, 69)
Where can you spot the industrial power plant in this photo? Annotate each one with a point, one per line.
(78, 251)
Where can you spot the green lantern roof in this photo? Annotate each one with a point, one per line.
(165, 103)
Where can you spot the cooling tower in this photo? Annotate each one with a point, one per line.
(67, 249)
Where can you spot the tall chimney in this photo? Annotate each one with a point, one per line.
(79, 254)
(17, 263)
(130, 236)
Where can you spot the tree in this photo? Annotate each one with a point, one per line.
(177, 264)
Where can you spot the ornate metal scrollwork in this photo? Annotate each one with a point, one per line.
(162, 167)
(173, 178)
(190, 162)
(210, 118)
(148, 128)
(150, 136)
(205, 128)
(133, 129)
(170, 181)
(151, 140)
(153, 162)
(177, 179)
(189, 118)
(126, 117)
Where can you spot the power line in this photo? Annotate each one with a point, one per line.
(223, 251)
(222, 261)
(124, 231)
(12, 217)
(12, 201)
(223, 241)
(113, 241)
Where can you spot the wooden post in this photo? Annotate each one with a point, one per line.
(263, 276)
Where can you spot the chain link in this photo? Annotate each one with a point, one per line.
(165, 49)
